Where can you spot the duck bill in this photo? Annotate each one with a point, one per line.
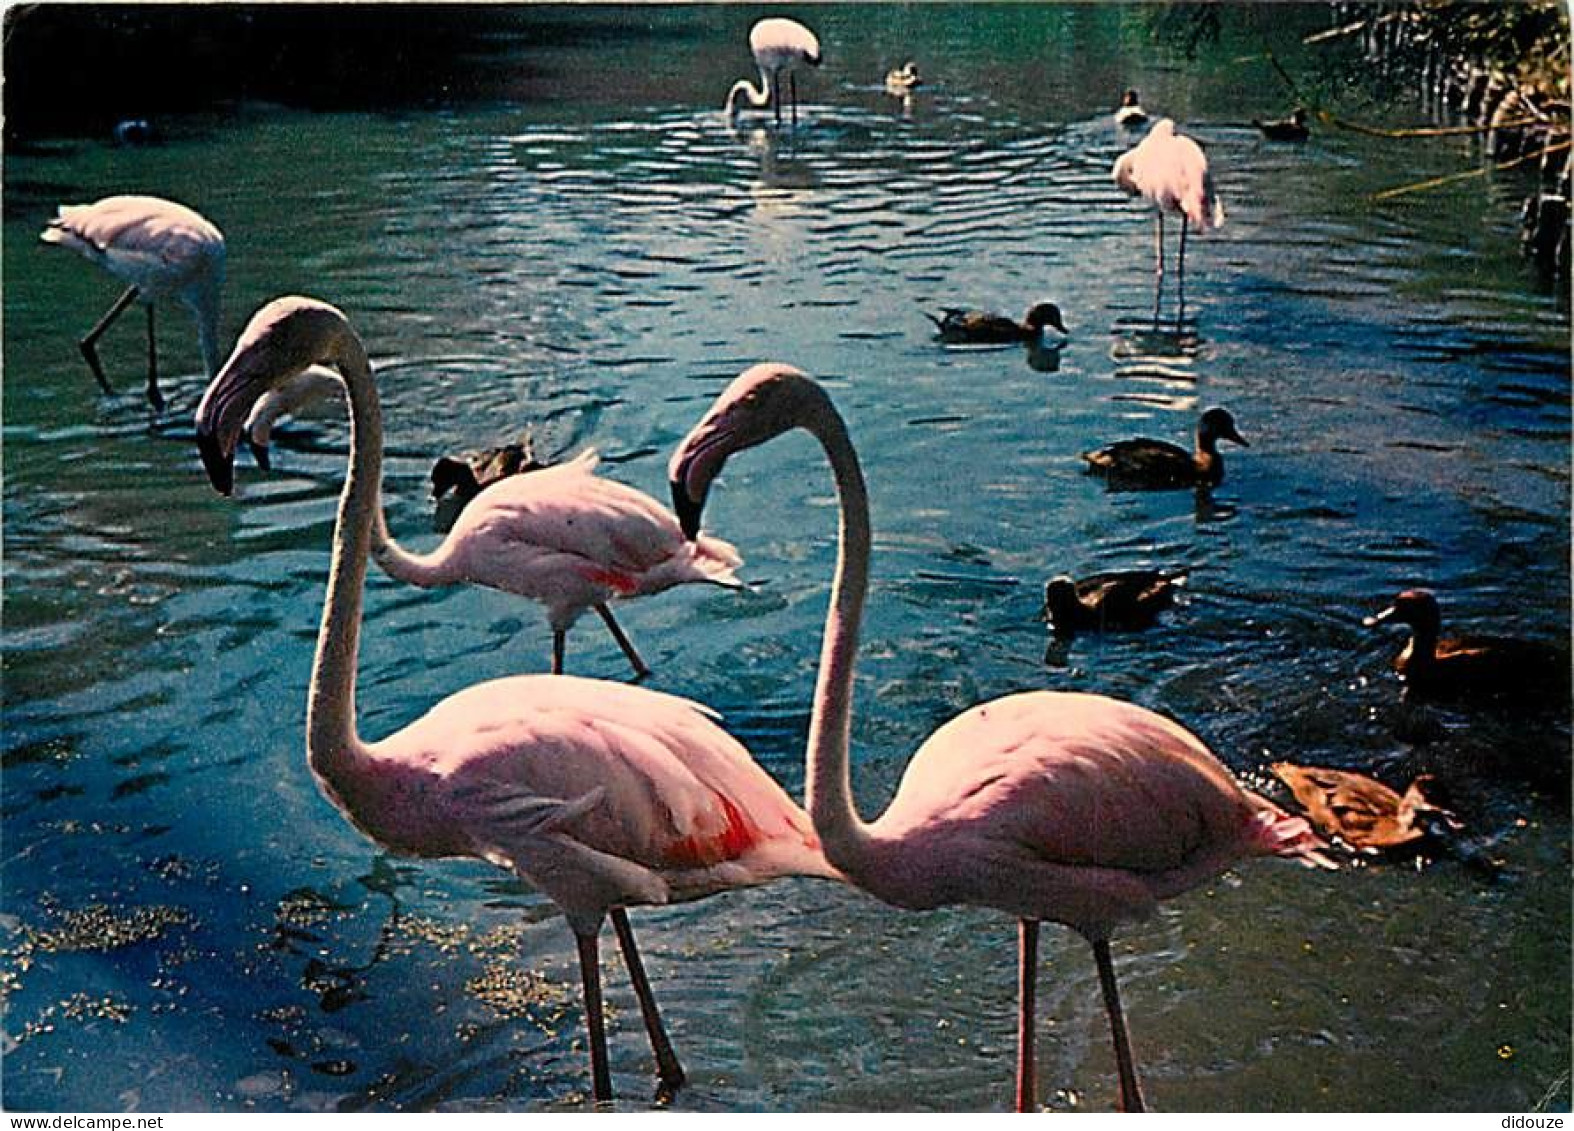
(1235, 437)
(1383, 617)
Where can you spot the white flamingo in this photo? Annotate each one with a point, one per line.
(1070, 807)
(161, 250)
(1171, 171)
(602, 795)
(779, 45)
(562, 537)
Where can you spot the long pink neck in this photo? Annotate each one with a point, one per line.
(828, 792)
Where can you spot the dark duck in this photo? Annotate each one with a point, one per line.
(470, 473)
(1158, 464)
(1119, 599)
(1130, 114)
(957, 326)
(1292, 128)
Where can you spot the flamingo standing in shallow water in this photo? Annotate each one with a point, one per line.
(161, 250)
(562, 537)
(1171, 171)
(1071, 807)
(779, 45)
(602, 795)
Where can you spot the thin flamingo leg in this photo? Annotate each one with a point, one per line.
(557, 651)
(1180, 273)
(1158, 270)
(595, 1025)
(155, 398)
(792, 81)
(88, 344)
(1130, 1093)
(1027, 997)
(641, 670)
(668, 1069)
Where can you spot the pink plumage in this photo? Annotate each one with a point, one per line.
(603, 795)
(1171, 171)
(1075, 808)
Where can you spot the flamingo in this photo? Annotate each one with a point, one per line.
(1071, 807)
(604, 796)
(779, 45)
(305, 388)
(1171, 171)
(161, 250)
(564, 538)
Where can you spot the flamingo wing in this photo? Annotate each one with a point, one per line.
(155, 244)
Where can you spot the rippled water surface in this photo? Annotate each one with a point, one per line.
(188, 924)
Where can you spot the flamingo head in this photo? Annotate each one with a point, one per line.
(1217, 424)
(1045, 314)
(1416, 607)
(761, 403)
(282, 339)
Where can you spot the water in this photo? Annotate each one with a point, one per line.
(189, 925)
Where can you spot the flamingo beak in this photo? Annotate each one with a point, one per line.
(259, 452)
(220, 465)
(687, 509)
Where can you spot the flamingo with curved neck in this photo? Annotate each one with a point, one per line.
(1076, 808)
(602, 795)
(779, 46)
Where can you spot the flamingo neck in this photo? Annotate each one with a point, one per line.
(758, 97)
(424, 570)
(332, 745)
(828, 790)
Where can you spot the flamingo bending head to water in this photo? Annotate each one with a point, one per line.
(1076, 808)
(160, 250)
(603, 795)
(779, 46)
(1171, 171)
(563, 537)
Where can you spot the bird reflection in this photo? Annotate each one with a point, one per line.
(1044, 356)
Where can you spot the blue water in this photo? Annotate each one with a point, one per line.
(188, 924)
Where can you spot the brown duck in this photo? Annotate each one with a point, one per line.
(467, 475)
(1470, 666)
(1363, 813)
(1119, 599)
(1158, 464)
(958, 326)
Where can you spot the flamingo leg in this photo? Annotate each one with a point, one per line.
(668, 1069)
(1130, 1093)
(590, 976)
(1158, 270)
(776, 96)
(557, 651)
(1180, 274)
(155, 398)
(88, 345)
(641, 670)
(792, 81)
(1027, 996)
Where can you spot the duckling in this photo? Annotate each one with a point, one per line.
(901, 81)
(1469, 666)
(1157, 464)
(1130, 114)
(1119, 599)
(1292, 128)
(957, 326)
(1365, 814)
(469, 474)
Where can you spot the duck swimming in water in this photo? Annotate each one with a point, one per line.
(1119, 599)
(901, 81)
(468, 474)
(1293, 128)
(1470, 666)
(957, 326)
(1130, 114)
(1365, 814)
(1158, 464)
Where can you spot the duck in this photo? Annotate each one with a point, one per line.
(1130, 114)
(1158, 464)
(1293, 128)
(903, 79)
(1362, 812)
(469, 473)
(957, 325)
(1118, 599)
(1466, 667)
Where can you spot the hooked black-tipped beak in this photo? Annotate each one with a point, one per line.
(220, 464)
(259, 452)
(687, 509)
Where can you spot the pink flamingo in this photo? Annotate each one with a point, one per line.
(1171, 170)
(602, 795)
(562, 537)
(161, 250)
(1076, 808)
(779, 46)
